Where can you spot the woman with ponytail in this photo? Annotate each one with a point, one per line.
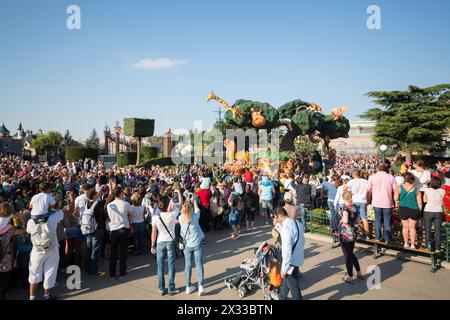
(348, 233)
(192, 239)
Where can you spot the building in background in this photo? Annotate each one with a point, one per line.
(18, 144)
(168, 144)
(360, 140)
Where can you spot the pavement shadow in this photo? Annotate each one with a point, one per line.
(218, 246)
(336, 268)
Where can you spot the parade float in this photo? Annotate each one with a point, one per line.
(297, 118)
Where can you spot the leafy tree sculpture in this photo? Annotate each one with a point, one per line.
(414, 120)
(299, 117)
(139, 128)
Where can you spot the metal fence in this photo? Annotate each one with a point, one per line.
(318, 221)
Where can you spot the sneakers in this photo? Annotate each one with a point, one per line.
(413, 246)
(229, 284)
(162, 293)
(49, 297)
(190, 290)
(201, 291)
(235, 236)
(406, 246)
(274, 295)
(174, 292)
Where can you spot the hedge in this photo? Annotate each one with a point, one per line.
(125, 159)
(162, 162)
(148, 153)
(134, 127)
(80, 153)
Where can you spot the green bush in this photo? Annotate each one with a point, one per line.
(125, 159)
(134, 127)
(80, 153)
(148, 153)
(162, 162)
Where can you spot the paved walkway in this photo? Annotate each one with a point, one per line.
(322, 275)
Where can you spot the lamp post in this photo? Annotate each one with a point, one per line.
(383, 149)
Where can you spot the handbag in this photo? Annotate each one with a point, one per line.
(167, 229)
(182, 244)
(347, 234)
(275, 275)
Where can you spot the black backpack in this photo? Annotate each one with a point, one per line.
(336, 219)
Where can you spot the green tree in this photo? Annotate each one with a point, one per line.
(414, 120)
(93, 141)
(221, 126)
(46, 143)
(68, 140)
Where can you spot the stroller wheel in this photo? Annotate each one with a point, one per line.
(241, 292)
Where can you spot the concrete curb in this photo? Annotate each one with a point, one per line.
(391, 253)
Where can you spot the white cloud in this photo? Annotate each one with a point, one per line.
(158, 63)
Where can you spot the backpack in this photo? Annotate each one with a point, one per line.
(349, 234)
(40, 237)
(240, 205)
(88, 222)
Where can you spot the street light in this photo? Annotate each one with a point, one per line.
(383, 149)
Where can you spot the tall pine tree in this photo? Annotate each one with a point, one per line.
(93, 141)
(68, 140)
(414, 120)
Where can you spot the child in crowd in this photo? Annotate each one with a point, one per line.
(42, 202)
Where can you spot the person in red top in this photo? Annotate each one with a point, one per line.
(205, 214)
(247, 176)
(205, 197)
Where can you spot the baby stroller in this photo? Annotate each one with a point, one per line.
(255, 273)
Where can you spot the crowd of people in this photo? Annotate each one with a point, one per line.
(75, 213)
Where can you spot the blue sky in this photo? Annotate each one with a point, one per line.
(271, 51)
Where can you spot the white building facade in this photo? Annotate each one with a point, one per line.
(360, 140)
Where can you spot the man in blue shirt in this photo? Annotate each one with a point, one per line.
(266, 194)
(292, 252)
(331, 188)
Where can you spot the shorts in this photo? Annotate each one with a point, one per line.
(362, 208)
(43, 267)
(267, 204)
(235, 218)
(71, 232)
(406, 213)
(80, 236)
